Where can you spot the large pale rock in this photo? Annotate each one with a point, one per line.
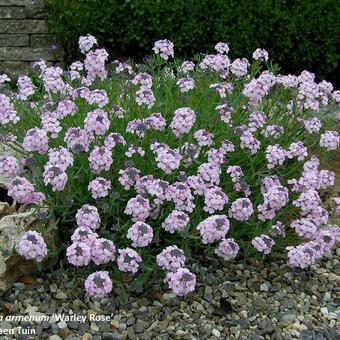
(12, 266)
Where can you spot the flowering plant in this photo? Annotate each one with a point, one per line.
(147, 165)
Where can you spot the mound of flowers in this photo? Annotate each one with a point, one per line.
(160, 164)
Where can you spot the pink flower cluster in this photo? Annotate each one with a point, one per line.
(9, 166)
(165, 49)
(183, 120)
(171, 178)
(98, 284)
(32, 246)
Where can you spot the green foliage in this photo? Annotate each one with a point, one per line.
(299, 35)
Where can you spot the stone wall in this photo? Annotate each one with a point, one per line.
(24, 37)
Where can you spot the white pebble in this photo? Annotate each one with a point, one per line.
(264, 287)
(216, 332)
(62, 324)
(324, 310)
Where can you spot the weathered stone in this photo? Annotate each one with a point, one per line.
(10, 40)
(20, 26)
(26, 53)
(41, 40)
(12, 266)
(14, 68)
(35, 9)
(12, 2)
(10, 12)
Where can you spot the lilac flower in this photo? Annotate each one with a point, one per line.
(222, 89)
(77, 139)
(84, 235)
(142, 79)
(97, 121)
(217, 157)
(79, 254)
(9, 166)
(100, 159)
(56, 176)
(209, 173)
(239, 67)
(312, 125)
(157, 188)
(304, 255)
(98, 97)
(134, 150)
(275, 197)
(225, 112)
(307, 201)
(7, 112)
(328, 237)
(181, 282)
(288, 81)
(256, 120)
(227, 146)
(203, 137)
(128, 260)
(248, 141)
(128, 177)
(98, 284)
(318, 215)
(298, 150)
(330, 140)
(222, 48)
(145, 96)
(86, 43)
(176, 221)
(21, 190)
(53, 82)
(213, 228)
(228, 249)
(87, 216)
(183, 121)
(138, 207)
(241, 209)
(171, 258)
(263, 244)
(214, 199)
(112, 139)
(99, 187)
(60, 157)
(94, 64)
(156, 121)
(168, 160)
(140, 234)
(26, 87)
(304, 227)
(186, 67)
(185, 84)
(336, 201)
(165, 49)
(102, 251)
(66, 108)
(216, 62)
(181, 195)
(36, 140)
(50, 123)
(278, 229)
(275, 155)
(274, 131)
(260, 54)
(118, 112)
(3, 78)
(32, 246)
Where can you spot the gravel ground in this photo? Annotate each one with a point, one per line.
(241, 301)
